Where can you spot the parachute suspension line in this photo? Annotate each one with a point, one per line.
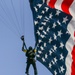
(22, 16)
(6, 23)
(4, 11)
(7, 17)
(16, 17)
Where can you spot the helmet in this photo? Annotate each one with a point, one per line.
(30, 48)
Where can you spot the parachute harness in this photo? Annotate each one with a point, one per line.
(24, 44)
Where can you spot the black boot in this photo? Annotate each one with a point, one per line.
(27, 73)
(36, 74)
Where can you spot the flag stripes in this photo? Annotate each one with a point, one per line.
(72, 9)
(69, 46)
(52, 3)
(67, 6)
(58, 4)
(71, 49)
(73, 63)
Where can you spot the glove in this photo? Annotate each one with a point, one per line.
(22, 38)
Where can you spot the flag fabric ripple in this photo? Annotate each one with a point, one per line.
(54, 34)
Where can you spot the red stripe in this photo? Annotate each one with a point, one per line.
(52, 3)
(65, 5)
(73, 63)
(73, 58)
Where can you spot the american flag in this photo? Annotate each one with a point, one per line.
(54, 33)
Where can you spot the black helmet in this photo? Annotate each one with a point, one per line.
(30, 48)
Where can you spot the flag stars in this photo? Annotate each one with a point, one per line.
(61, 57)
(39, 17)
(59, 33)
(46, 56)
(61, 45)
(55, 47)
(41, 28)
(48, 28)
(36, 9)
(43, 59)
(39, 5)
(55, 37)
(55, 72)
(35, 22)
(50, 52)
(65, 20)
(42, 48)
(62, 69)
(50, 40)
(46, 8)
(44, 44)
(42, 36)
(43, 23)
(43, 12)
(38, 32)
(44, 32)
(55, 60)
(40, 41)
(50, 16)
(37, 55)
(46, 19)
(50, 65)
(54, 25)
(59, 23)
(58, 12)
(39, 52)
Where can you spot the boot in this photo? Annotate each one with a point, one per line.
(35, 74)
(27, 73)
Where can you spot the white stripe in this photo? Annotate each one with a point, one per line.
(71, 27)
(48, 2)
(58, 4)
(72, 9)
(69, 46)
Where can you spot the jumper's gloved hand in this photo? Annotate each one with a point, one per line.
(22, 38)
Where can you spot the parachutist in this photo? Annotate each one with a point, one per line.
(30, 54)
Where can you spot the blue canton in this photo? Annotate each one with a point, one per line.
(50, 27)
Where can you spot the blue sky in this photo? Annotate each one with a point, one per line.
(15, 21)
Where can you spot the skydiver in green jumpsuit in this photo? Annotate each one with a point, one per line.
(30, 54)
